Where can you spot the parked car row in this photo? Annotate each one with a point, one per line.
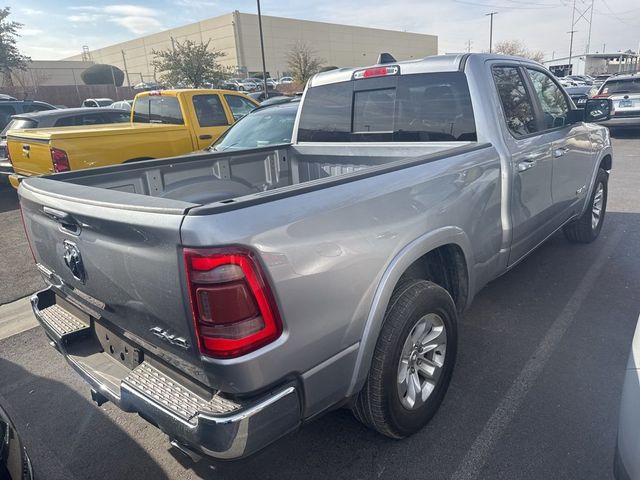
(162, 123)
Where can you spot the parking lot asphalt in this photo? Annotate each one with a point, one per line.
(534, 395)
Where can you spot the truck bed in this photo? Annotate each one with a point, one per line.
(228, 180)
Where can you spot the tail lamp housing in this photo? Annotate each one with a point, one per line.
(60, 160)
(234, 310)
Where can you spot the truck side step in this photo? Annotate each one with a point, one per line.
(150, 382)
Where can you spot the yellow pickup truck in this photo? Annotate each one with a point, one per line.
(163, 124)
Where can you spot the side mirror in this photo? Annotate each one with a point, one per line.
(597, 110)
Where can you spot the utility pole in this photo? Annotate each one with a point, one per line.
(468, 46)
(491, 29)
(590, 22)
(264, 64)
(571, 51)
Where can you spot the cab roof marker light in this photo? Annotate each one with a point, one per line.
(376, 72)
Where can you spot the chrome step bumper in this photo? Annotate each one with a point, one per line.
(204, 422)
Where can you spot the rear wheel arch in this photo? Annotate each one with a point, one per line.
(450, 243)
(606, 163)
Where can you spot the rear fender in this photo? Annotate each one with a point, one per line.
(393, 272)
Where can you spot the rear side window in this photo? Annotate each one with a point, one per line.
(115, 117)
(36, 107)
(5, 114)
(411, 108)
(17, 124)
(516, 103)
(613, 87)
(209, 110)
(158, 109)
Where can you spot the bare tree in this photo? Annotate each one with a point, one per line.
(303, 62)
(518, 49)
(32, 78)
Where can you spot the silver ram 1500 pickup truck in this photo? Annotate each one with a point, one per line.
(229, 297)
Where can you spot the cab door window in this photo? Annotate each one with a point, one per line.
(209, 111)
(239, 106)
(553, 103)
(516, 102)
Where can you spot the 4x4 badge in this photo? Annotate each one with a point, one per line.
(73, 260)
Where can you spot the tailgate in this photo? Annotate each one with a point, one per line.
(626, 105)
(131, 267)
(29, 156)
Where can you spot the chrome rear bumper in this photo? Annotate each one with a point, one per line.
(205, 422)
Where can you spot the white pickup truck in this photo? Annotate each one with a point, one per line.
(229, 297)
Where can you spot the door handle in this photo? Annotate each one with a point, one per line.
(559, 152)
(205, 137)
(526, 165)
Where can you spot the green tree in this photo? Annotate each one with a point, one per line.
(189, 63)
(303, 62)
(11, 60)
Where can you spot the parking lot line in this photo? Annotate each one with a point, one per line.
(16, 317)
(477, 455)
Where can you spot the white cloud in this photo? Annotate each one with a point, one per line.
(196, 4)
(138, 20)
(30, 11)
(30, 32)
(138, 25)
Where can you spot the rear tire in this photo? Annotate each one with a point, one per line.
(587, 228)
(421, 315)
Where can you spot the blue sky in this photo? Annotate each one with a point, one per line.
(55, 29)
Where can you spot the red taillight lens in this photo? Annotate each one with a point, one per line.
(601, 96)
(60, 160)
(376, 72)
(233, 308)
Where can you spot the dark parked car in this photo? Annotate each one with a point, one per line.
(260, 96)
(271, 125)
(14, 461)
(579, 95)
(68, 117)
(8, 108)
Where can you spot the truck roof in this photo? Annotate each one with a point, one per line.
(451, 62)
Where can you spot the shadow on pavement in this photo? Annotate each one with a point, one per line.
(8, 198)
(66, 436)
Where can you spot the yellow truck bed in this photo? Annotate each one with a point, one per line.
(163, 124)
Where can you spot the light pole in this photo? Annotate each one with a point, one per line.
(491, 29)
(264, 64)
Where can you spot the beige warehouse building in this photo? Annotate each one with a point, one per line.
(237, 35)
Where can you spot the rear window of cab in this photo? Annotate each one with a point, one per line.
(427, 107)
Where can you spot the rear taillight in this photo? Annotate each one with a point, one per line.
(601, 96)
(60, 160)
(376, 72)
(233, 308)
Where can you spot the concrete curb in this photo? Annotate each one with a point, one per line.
(16, 317)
